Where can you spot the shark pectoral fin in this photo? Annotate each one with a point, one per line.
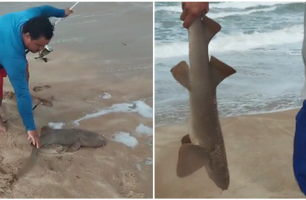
(190, 159)
(180, 72)
(211, 27)
(220, 70)
(186, 140)
(74, 147)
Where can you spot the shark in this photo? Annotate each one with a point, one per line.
(72, 138)
(203, 146)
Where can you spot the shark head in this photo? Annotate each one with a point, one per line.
(92, 139)
(100, 141)
(220, 176)
(222, 182)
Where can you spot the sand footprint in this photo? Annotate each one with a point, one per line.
(9, 95)
(137, 195)
(45, 102)
(40, 88)
(129, 183)
(6, 181)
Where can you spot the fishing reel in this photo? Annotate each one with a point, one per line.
(47, 50)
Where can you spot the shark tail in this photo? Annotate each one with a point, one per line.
(211, 28)
(31, 161)
(191, 158)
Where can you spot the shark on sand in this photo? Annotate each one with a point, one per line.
(73, 138)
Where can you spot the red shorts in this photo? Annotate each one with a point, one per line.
(3, 74)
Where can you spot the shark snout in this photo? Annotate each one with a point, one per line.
(221, 181)
(220, 176)
(100, 141)
(92, 140)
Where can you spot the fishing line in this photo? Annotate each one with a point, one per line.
(48, 48)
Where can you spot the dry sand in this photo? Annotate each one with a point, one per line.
(77, 77)
(259, 152)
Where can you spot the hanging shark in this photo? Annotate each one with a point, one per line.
(204, 145)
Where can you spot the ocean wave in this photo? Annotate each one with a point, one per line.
(227, 5)
(215, 15)
(247, 12)
(244, 5)
(178, 111)
(236, 42)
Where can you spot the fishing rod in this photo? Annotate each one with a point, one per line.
(48, 49)
(36, 105)
(76, 3)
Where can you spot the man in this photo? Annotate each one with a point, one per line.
(28, 30)
(299, 146)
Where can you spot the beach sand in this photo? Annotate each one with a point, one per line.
(259, 152)
(114, 57)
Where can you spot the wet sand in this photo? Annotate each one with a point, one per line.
(259, 151)
(114, 62)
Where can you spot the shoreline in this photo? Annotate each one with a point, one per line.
(251, 143)
(244, 115)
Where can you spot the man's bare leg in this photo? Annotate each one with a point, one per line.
(3, 127)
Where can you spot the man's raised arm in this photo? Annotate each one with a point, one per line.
(48, 11)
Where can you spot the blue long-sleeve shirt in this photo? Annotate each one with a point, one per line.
(13, 57)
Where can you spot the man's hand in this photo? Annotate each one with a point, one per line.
(34, 138)
(192, 10)
(68, 12)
